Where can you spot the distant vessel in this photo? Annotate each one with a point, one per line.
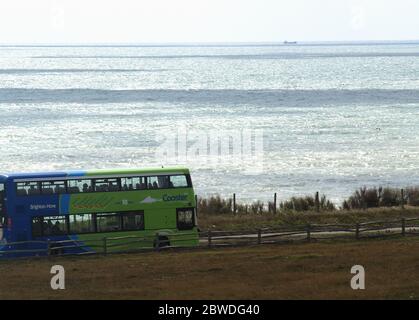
(290, 42)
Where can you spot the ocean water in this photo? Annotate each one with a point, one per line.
(332, 117)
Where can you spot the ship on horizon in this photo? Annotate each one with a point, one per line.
(290, 42)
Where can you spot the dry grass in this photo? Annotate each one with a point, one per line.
(305, 271)
(266, 220)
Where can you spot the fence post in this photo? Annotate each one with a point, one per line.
(209, 239)
(308, 233)
(402, 194)
(234, 203)
(105, 246)
(357, 231)
(403, 227)
(259, 236)
(196, 205)
(275, 196)
(157, 248)
(49, 248)
(317, 202)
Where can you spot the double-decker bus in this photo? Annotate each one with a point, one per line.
(87, 206)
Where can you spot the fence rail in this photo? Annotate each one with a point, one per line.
(214, 238)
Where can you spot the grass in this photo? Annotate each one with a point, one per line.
(231, 222)
(363, 198)
(303, 271)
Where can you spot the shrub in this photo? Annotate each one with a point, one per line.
(214, 204)
(362, 199)
(307, 203)
(390, 197)
(412, 195)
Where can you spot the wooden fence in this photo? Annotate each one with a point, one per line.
(213, 238)
(311, 233)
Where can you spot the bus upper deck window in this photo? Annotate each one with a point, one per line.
(51, 187)
(28, 188)
(158, 182)
(179, 181)
(104, 185)
(82, 185)
(134, 183)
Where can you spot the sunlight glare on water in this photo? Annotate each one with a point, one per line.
(334, 118)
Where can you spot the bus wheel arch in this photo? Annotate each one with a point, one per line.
(161, 241)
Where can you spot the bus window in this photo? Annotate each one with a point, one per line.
(158, 182)
(133, 221)
(53, 187)
(104, 185)
(136, 183)
(185, 219)
(37, 227)
(81, 223)
(28, 188)
(108, 222)
(178, 181)
(76, 186)
(54, 226)
(49, 226)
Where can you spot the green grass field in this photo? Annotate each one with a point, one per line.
(297, 271)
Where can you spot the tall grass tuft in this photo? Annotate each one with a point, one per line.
(215, 204)
(366, 198)
(412, 195)
(307, 203)
(363, 198)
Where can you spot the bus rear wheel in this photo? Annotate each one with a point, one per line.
(161, 242)
(57, 251)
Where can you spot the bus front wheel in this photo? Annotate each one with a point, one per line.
(161, 242)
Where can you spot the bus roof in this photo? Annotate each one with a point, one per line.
(88, 173)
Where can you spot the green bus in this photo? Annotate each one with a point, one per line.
(76, 211)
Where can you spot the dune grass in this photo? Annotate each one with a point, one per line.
(363, 205)
(231, 222)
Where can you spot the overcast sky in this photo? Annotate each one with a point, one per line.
(159, 21)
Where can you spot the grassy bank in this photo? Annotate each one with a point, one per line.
(305, 271)
(365, 204)
(251, 221)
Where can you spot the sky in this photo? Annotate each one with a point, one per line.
(192, 21)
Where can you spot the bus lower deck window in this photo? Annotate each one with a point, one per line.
(81, 223)
(133, 221)
(108, 222)
(49, 226)
(185, 219)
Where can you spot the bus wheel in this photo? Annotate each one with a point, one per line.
(162, 242)
(57, 252)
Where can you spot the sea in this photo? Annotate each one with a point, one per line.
(326, 117)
